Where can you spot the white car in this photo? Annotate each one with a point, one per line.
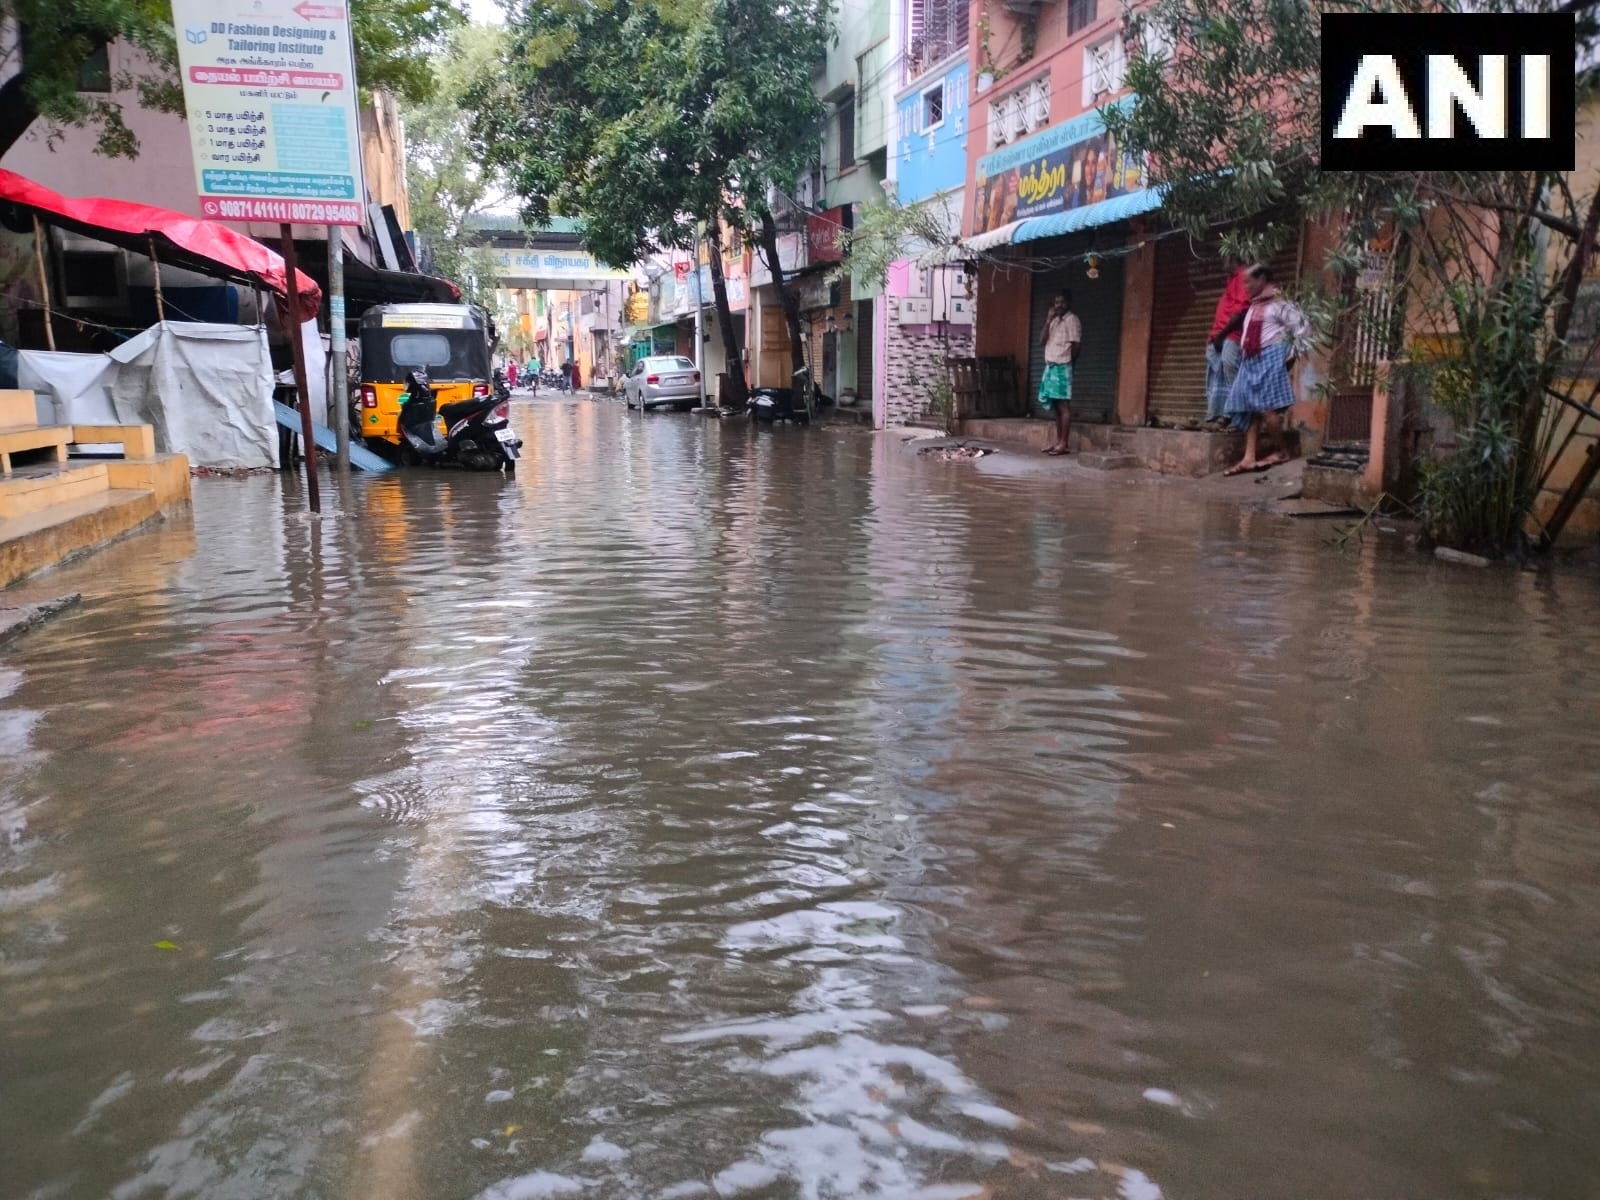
(663, 381)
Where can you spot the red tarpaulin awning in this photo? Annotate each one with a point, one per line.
(180, 241)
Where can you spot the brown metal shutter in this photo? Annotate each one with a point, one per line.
(1188, 284)
(864, 348)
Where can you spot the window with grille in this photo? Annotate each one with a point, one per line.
(1080, 15)
(935, 29)
(1038, 103)
(1104, 68)
(933, 106)
(847, 133)
(1020, 112)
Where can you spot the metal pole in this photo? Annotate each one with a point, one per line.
(44, 282)
(699, 318)
(339, 397)
(308, 438)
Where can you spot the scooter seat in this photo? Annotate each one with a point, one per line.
(463, 408)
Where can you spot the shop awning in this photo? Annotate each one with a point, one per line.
(1103, 212)
(206, 247)
(366, 285)
(1075, 220)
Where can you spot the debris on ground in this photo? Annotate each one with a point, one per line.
(229, 472)
(955, 453)
(19, 618)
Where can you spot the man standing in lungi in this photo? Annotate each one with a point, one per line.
(1274, 328)
(1062, 333)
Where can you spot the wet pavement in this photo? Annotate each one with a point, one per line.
(708, 811)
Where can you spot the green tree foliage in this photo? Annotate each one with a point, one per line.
(448, 182)
(1474, 275)
(51, 40)
(648, 121)
(884, 233)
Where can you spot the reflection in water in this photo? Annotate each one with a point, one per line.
(707, 812)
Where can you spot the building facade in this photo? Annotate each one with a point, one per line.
(928, 310)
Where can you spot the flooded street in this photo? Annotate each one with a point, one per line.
(711, 812)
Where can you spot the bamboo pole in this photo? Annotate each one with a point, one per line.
(44, 281)
(155, 266)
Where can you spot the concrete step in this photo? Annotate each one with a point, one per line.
(30, 489)
(66, 530)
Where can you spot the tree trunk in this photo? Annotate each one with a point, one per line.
(17, 112)
(737, 395)
(791, 306)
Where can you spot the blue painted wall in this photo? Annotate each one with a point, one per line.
(932, 160)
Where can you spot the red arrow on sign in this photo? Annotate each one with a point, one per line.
(319, 12)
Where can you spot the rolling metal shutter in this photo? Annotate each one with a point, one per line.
(1187, 289)
(1098, 305)
(864, 348)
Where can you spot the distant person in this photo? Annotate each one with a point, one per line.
(511, 374)
(534, 367)
(1274, 329)
(1222, 350)
(1062, 335)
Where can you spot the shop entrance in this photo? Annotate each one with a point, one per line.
(1098, 305)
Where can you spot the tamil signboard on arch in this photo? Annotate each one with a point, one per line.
(270, 92)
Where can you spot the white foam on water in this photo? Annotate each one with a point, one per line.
(540, 1185)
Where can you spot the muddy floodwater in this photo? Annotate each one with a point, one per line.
(712, 812)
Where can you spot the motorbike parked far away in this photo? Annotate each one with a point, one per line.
(797, 404)
(477, 432)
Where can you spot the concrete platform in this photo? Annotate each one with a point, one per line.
(1194, 453)
(64, 531)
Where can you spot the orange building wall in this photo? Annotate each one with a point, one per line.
(1003, 304)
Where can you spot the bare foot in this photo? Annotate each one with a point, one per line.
(1273, 460)
(1243, 467)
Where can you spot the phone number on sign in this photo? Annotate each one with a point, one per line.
(314, 212)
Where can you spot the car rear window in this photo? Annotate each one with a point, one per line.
(671, 364)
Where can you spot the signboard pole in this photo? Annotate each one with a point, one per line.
(340, 391)
(308, 441)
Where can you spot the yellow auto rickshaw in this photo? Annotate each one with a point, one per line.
(453, 342)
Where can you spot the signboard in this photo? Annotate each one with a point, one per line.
(822, 236)
(413, 320)
(561, 268)
(270, 91)
(1065, 167)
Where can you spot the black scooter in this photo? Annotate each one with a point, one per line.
(479, 437)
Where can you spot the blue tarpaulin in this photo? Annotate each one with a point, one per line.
(1105, 212)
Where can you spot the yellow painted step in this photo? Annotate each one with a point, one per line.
(17, 407)
(69, 529)
(32, 489)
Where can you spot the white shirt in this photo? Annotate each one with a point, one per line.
(1065, 331)
(1281, 320)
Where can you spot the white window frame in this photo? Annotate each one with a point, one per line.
(1037, 103)
(922, 106)
(1105, 69)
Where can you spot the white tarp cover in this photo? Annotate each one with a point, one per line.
(206, 389)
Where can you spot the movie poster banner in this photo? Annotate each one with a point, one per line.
(1067, 166)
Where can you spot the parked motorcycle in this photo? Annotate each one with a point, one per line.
(477, 433)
